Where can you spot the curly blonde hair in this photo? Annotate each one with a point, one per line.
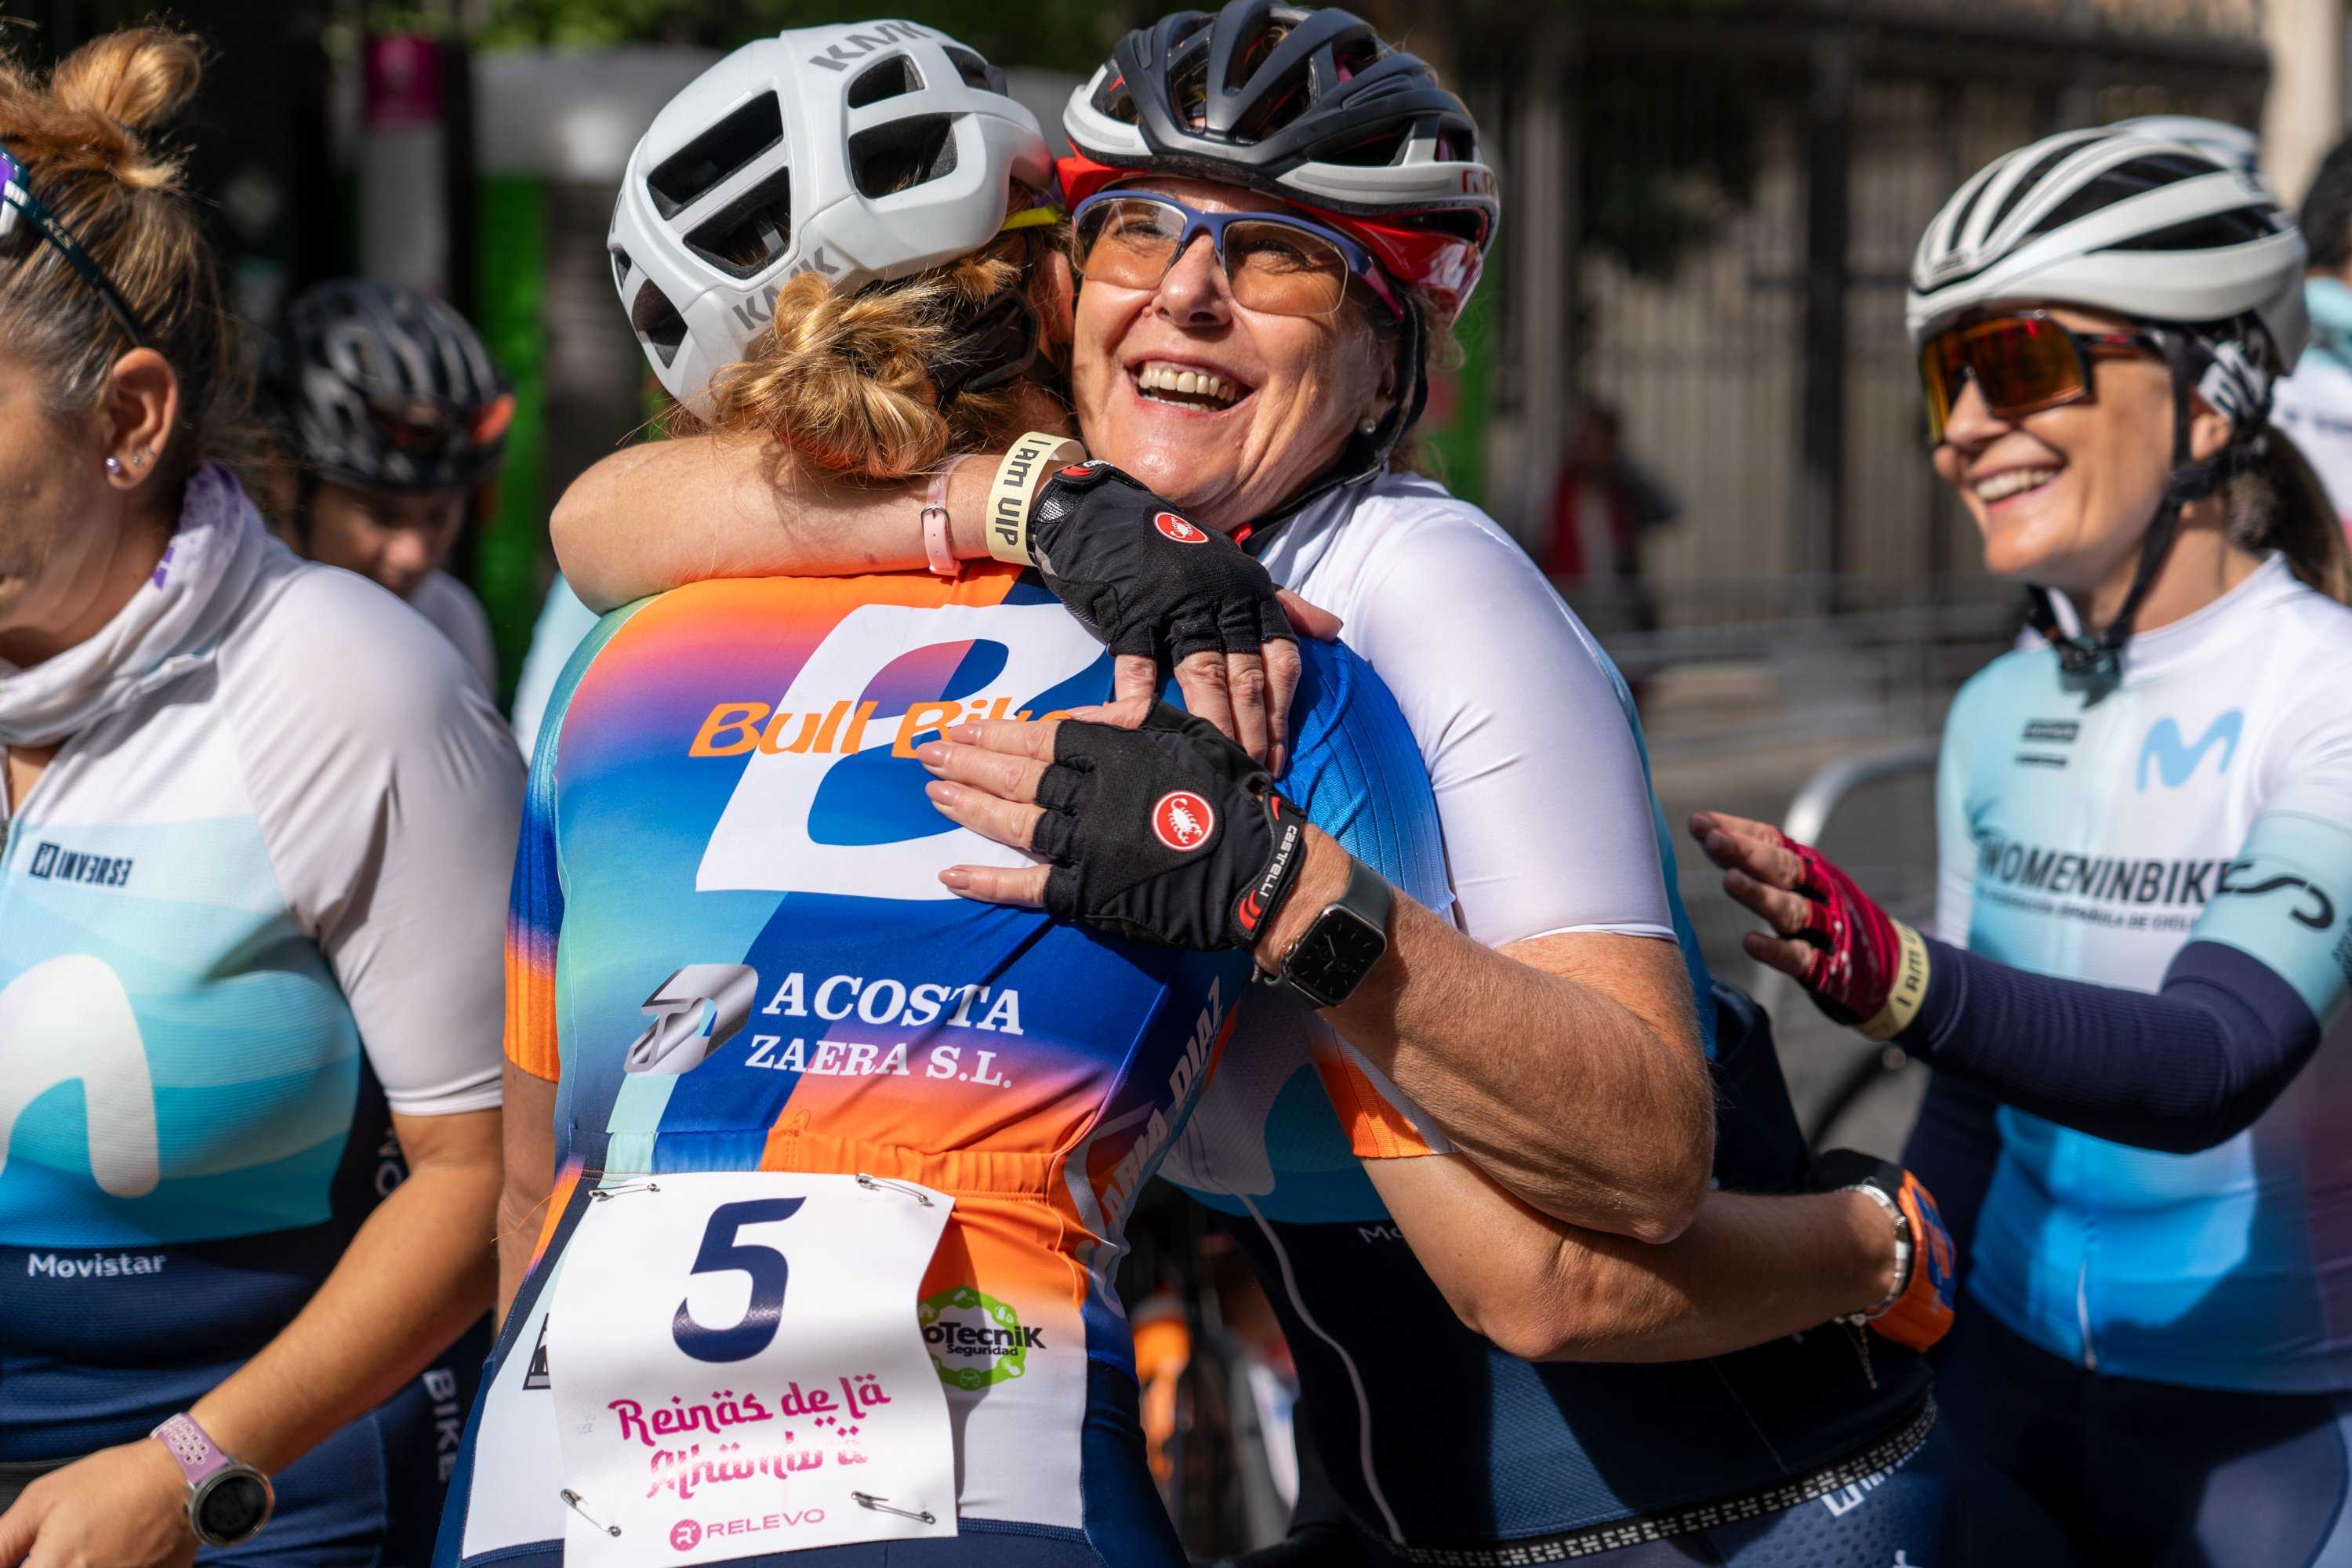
(80, 136)
(848, 380)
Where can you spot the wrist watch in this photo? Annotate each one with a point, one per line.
(1324, 967)
(229, 1500)
(1902, 1250)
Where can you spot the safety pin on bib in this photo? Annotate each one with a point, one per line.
(604, 1194)
(882, 1505)
(875, 1184)
(572, 1501)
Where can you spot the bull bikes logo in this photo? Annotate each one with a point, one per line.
(975, 1339)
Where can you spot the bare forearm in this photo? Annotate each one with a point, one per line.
(528, 1134)
(1592, 1108)
(652, 517)
(416, 1274)
(521, 1213)
(1747, 1270)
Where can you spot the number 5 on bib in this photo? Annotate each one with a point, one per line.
(738, 1369)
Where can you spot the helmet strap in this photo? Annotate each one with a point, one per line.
(2099, 659)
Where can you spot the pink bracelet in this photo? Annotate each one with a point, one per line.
(936, 549)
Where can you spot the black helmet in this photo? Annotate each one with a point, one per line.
(382, 385)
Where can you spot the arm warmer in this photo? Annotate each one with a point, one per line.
(2181, 1071)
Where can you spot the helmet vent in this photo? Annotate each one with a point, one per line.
(621, 265)
(902, 155)
(1383, 151)
(977, 73)
(2218, 232)
(1115, 100)
(893, 77)
(744, 237)
(694, 170)
(2120, 183)
(656, 321)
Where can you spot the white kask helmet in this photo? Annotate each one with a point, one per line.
(866, 151)
(2115, 220)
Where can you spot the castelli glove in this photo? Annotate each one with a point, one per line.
(1167, 833)
(1869, 970)
(1141, 577)
(1919, 1313)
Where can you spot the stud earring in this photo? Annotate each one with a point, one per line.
(114, 464)
(138, 459)
(1368, 426)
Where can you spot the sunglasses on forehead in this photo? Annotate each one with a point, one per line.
(17, 203)
(2021, 364)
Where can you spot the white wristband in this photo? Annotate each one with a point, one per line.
(1026, 467)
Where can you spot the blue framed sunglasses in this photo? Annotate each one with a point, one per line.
(16, 198)
(1276, 262)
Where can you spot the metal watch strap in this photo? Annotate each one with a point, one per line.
(1904, 1251)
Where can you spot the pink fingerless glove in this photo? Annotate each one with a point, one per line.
(1869, 970)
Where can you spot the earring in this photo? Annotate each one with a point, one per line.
(114, 464)
(138, 459)
(1368, 428)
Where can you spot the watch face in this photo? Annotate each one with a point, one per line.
(1335, 955)
(233, 1507)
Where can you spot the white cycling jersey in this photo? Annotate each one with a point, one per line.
(256, 897)
(1521, 722)
(2090, 834)
(451, 606)
(1542, 786)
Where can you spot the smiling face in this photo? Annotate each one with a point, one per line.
(1225, 411)
(2064, 497)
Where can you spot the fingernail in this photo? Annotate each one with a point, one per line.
(1091, 712)
(943, 793)
(956, 876)
(963, 734)
(931, 755)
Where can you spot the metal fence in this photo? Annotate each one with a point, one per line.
(1713, 215)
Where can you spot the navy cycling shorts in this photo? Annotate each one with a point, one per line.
(2152, 1473)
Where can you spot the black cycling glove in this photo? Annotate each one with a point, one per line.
(1167, 833)
(1141, 578)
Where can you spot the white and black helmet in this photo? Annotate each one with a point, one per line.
(382, 385)
(2114, 220)
(865, 152)
(1305, 103)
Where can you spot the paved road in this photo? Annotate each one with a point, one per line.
(1884, 834)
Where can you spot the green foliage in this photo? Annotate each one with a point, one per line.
(1068, 35)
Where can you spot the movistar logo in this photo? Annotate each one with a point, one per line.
(68, 1021)
(2175, 761)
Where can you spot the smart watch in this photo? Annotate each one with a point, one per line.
(229, 1500)
(1347, 940)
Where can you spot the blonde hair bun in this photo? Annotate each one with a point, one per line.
(99, 102)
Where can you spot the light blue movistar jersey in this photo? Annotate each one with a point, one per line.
(2208, 798)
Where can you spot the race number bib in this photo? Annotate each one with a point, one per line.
(737, 1369)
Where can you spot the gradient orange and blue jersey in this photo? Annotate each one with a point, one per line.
(729, 864)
